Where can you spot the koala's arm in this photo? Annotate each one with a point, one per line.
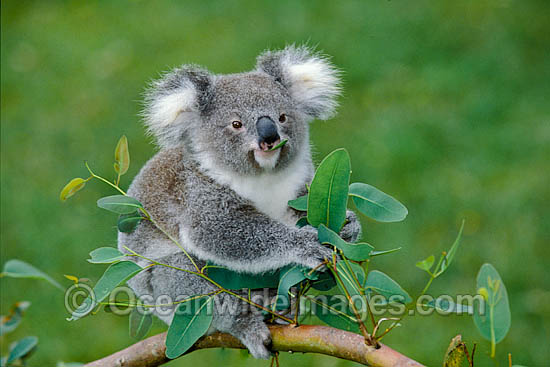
(222, 227)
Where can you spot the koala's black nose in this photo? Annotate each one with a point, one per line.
(267, 130)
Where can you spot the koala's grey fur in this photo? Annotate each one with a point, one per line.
(212, 189)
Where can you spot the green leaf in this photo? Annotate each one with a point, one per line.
(280, 145)
(9, 322)
(301, 222)
(115, 275)
(19, 269)
(128, 222)
(299, 204)
(105, 255)
(191, 321)
(426, 264)
(324, 282)
(447, 306)
(335, 312)
(451, 254)
(352, 276)
(119, 204)
(140, 323)
(122, 156)
(75, 185)
(353, 251)
(289, 277)
(385, 252)
(497, 300)
(375, 204)
(22, 348)
(387, 287)
(230, 279)
(328, 193)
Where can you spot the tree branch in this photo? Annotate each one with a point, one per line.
(304, 338)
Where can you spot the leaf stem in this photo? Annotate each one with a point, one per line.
(104, 180)
(205, 277)
(362, 327)
(312, 299)
(149, 218)
(361, 291)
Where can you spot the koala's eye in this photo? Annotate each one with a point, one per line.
(237, 124)
(283, 118)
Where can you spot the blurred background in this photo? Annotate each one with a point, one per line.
(445, 107)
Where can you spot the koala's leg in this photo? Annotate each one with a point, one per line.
(244, 322)
(163, 285)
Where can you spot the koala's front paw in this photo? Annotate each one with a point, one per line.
(352, 228)
(256, 337)
(314, 254)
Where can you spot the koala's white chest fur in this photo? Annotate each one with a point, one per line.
(270, 191)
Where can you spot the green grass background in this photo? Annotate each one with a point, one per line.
(446, 107)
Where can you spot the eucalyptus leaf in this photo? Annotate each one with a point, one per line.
(375, 204)
(324, 282)
(122, 156)
(493, 318)
(105, 255)
(302, 222)
(191, 321)
(9, 322)
(353, 251)
(120, 204)
(334, 311)
(289, 277)
(299, 204)
(310, 274)
(387, 287)
(75, 185)
(127, 223)
(328, 193)
(280, 145)
(115, 275)
(352, 277)
(384, 252)
(426, 264)
(22, 348)
(448, 258)
(140, 323)
(19, 269)
(230, 279)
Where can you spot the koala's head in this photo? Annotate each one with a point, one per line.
(233, 121)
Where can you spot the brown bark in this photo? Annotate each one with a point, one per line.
(304, 338)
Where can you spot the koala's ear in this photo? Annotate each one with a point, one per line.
(310, 78)
(175, 101)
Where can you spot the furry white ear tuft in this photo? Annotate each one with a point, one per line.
(173, 102)
(165, 109)
(311, 79)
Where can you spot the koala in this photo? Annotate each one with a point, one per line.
(217, 185)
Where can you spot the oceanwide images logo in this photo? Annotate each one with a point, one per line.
(80, 300)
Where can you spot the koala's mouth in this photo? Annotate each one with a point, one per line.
(266, 158)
